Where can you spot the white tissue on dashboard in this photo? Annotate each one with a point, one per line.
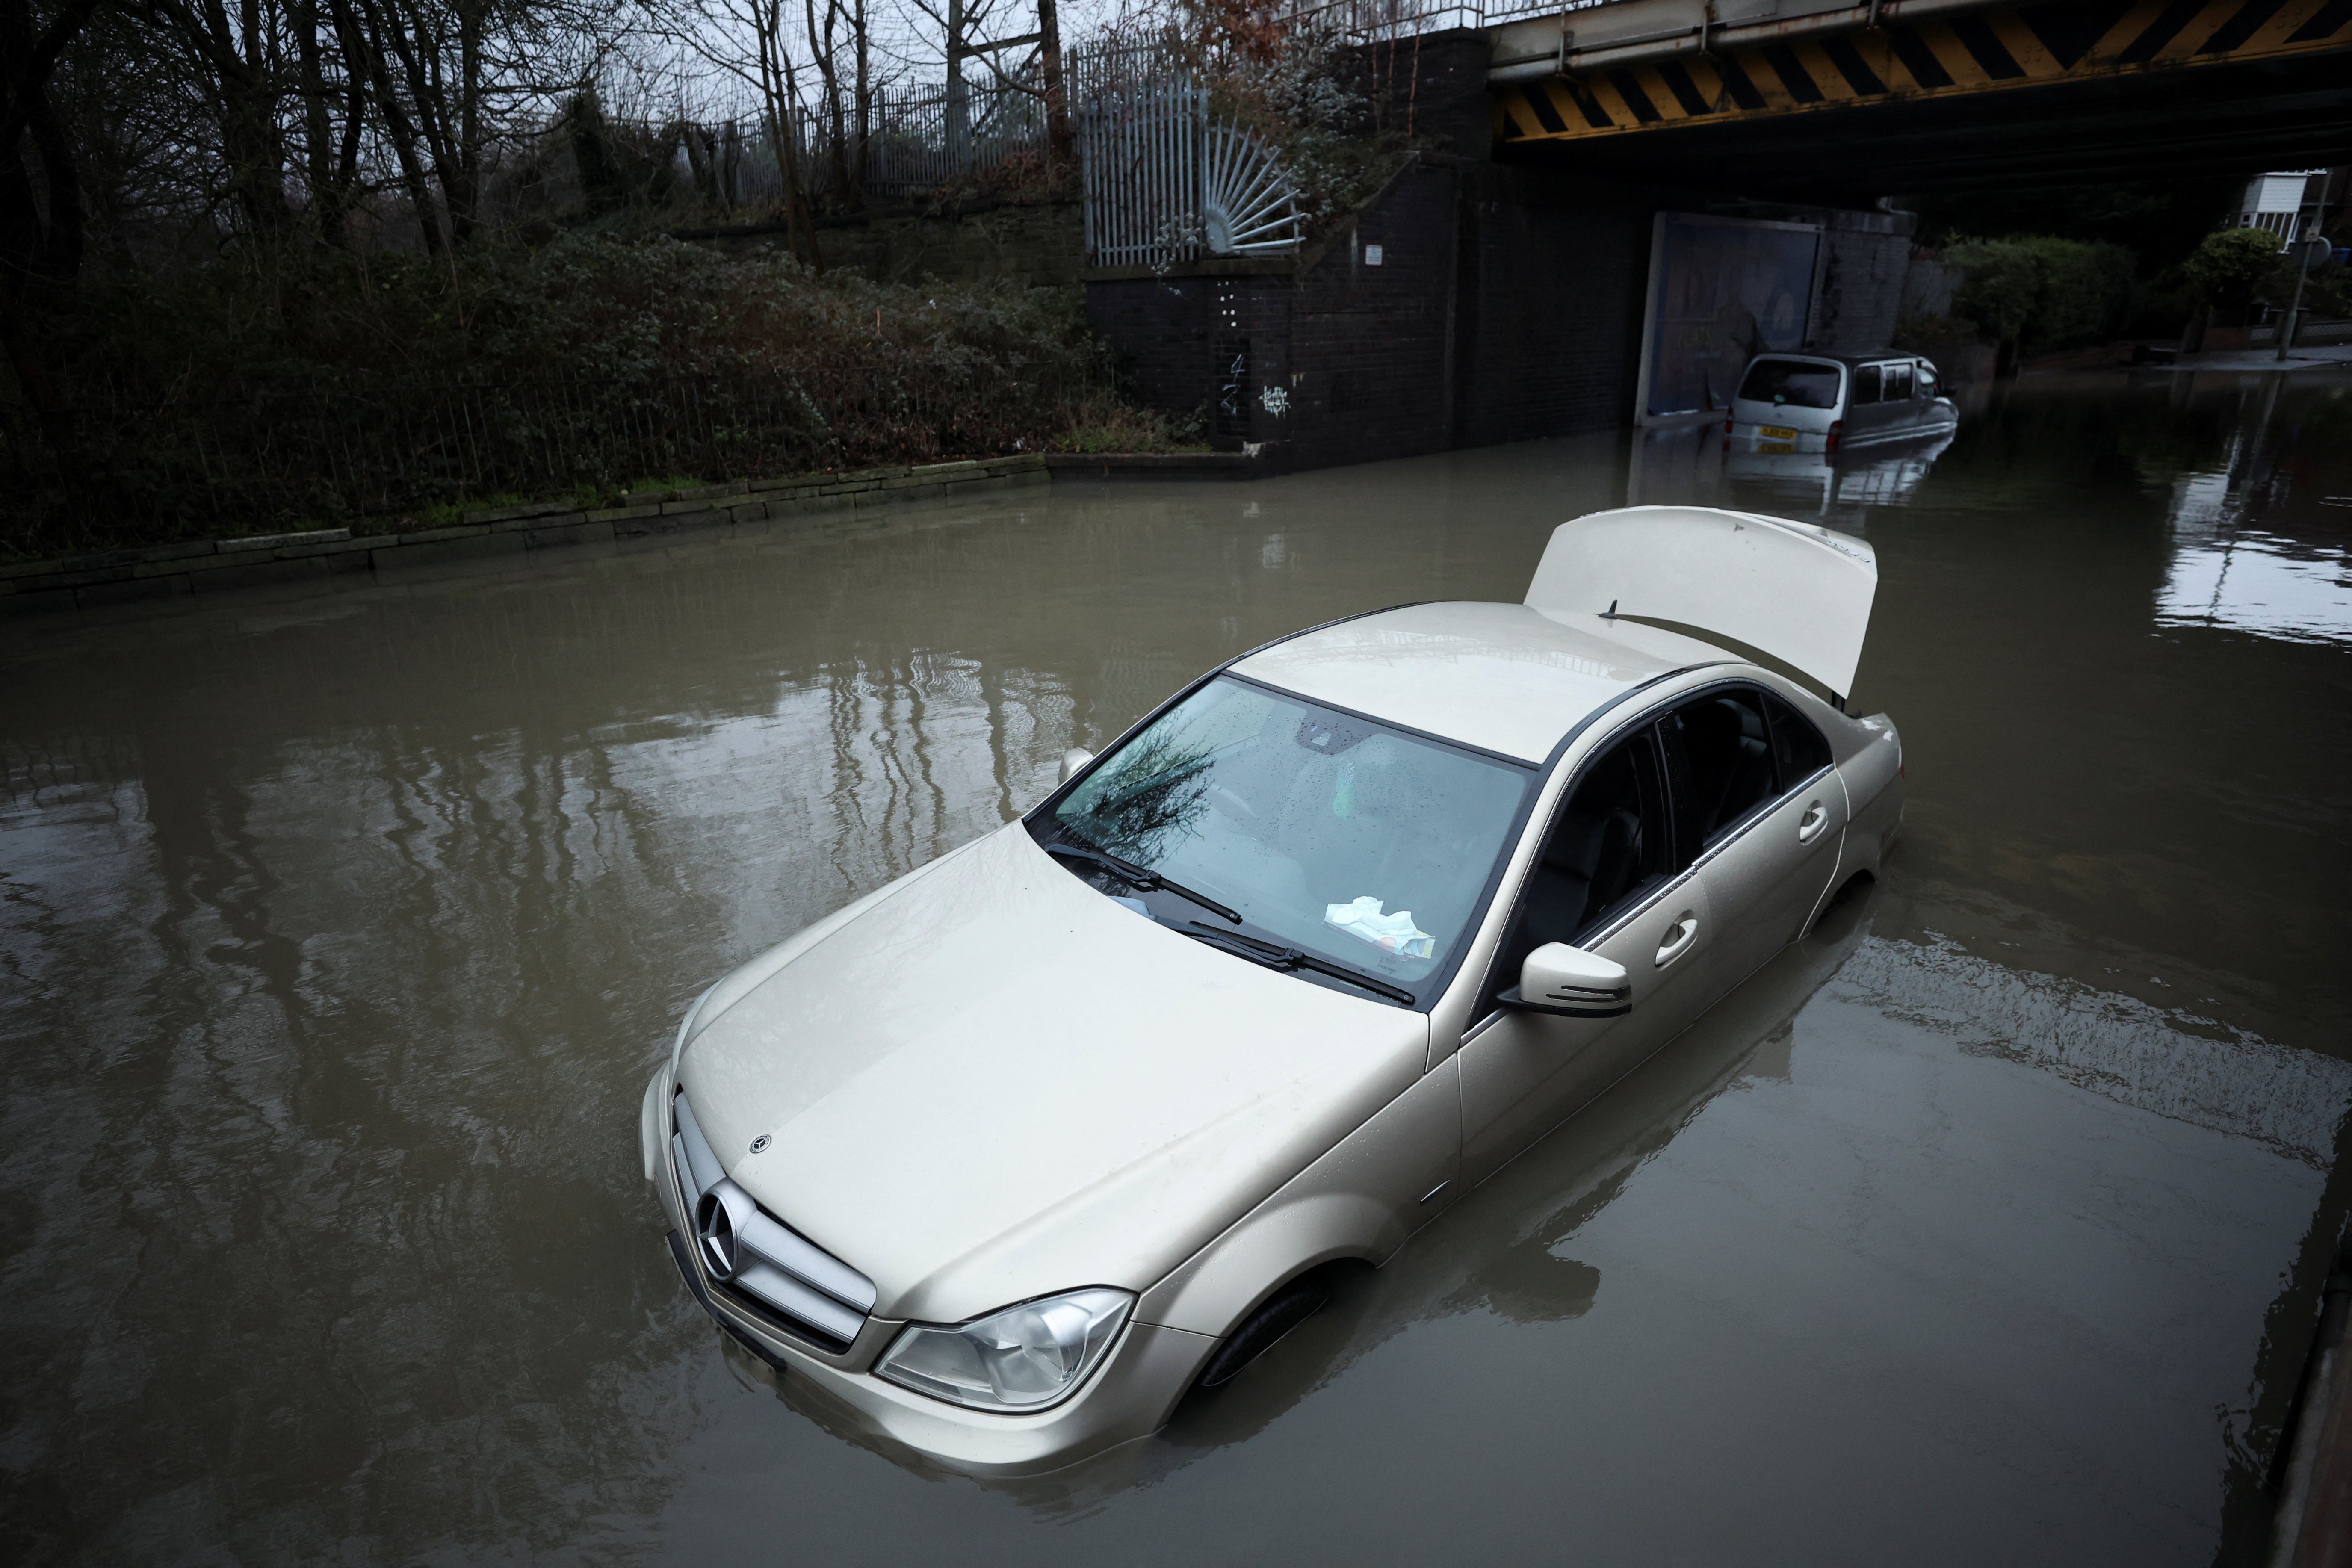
(1390, 933)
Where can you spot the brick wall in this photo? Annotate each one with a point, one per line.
(1506, 303)
(1348, 355)
(1865, 256)
(1552, 304)
(1502, 306)
(1369, 358)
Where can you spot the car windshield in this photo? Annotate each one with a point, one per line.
(1354, 844)
(1792, 382)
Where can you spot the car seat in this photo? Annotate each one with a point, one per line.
(1731, 760)
(1588, 864)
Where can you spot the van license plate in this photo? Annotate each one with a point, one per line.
(1775, 433)
(1776, 445)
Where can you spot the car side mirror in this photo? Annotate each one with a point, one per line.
(1072, 760)
(1572, 983)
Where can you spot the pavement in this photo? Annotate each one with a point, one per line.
(2261, 358)
(2314, 1528)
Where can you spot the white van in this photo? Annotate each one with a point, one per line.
(1826, 402)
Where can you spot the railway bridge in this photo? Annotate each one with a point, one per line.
(1899, 95)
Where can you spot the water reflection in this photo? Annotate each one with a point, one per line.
(2258, 582)
(2259, 543)
(1876, 477)
(2258, 514)
(2257, 472)
(1690, 462)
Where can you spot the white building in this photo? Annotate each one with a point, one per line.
(2286, 204)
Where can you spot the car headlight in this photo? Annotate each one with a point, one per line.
(1023, 1358)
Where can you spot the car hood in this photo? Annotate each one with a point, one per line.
(996, 1083)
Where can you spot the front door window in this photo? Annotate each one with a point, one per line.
(1602, 881)
(1608, 847)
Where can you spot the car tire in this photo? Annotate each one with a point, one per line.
(1279, 1313)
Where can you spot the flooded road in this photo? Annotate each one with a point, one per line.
(1988, 1224)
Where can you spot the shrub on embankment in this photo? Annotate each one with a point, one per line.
(354, 389)
(2039, 294)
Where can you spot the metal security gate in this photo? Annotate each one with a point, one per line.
(1166, 181)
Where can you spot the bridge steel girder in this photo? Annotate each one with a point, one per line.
(1934, 92)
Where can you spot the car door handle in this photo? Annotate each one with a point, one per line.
(1679, 936)
(1809, 826)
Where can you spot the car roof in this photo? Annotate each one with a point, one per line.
(1882, 357)
(1502, 677)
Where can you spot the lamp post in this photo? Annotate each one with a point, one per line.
(2303, 267)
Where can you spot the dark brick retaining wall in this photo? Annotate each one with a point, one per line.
(1506, 303)
(1552, 295)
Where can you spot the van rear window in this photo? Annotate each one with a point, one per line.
(1793, 382)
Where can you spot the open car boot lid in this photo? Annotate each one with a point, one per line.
(1797, 593)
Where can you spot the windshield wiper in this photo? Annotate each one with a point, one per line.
(1275, 956)
(1136, 877)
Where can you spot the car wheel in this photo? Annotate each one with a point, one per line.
(1277, 1316)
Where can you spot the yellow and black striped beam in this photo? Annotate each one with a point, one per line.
(1945, 55)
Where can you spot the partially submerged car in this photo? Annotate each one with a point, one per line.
(1832, 403)
(1010, 1155)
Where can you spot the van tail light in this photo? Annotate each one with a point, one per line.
(1727, 424)
(1835, 425)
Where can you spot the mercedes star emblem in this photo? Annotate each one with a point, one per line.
(716, 1230)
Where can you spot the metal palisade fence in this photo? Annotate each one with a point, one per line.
(914, 140)
(1370, 20)
(1166, 180)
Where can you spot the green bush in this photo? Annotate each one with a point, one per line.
(345, 389)
(2230, 268)
(2041, 293)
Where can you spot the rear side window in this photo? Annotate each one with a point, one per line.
(1719, 756)
(1865, 384)
(1898, 383)
(1793, 382)
(1798, 750)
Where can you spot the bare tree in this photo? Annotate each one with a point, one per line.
(1059, 138)
(749, 40)
(363, 26)
(960, 22)
(861, 35)
(823, 52)
(243, 77)
(41, 217)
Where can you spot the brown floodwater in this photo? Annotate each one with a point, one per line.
(341, 933)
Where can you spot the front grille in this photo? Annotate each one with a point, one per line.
(755, 1259)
